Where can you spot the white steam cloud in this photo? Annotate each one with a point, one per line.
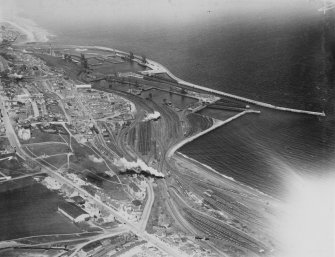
(15, 75)
(138, 166)
(152, 116)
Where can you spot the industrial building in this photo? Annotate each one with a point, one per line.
(83, 86)
(73, 212)
(78, 199)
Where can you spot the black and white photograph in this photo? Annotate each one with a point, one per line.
(167, 128)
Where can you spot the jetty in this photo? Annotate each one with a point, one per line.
(216, 125)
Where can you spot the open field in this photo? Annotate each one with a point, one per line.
(57, 160)
(30, 253)
(14, 167)
(116, 191)
(86, 158)
(39, 135)
(31, 209)
(48, 149)
(4, 142)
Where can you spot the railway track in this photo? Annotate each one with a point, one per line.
(223, 232)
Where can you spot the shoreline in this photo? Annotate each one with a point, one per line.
(215, 172)
(216, 125)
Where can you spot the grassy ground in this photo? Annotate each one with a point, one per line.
(31, 209)
(83, 156)
(116, 191)
(39, 136)
(48, 149)
(29, 253)
(57, 161)
(4, 142)
(14, 167)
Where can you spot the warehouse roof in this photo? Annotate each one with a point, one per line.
(71, 209)
(78, 199)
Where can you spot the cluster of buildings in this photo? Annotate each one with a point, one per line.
(144, 250)
(101, 104)
(77, 207)
(186, 245)
(113, 246)
(27, 99)
(130, 209)
(91, 105)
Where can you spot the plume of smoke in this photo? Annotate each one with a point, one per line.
(15, 75)
(138, 166)
(95, 159)
(152, 116)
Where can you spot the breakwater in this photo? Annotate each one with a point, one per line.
(216, 125)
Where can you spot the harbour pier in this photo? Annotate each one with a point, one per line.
(216, 125)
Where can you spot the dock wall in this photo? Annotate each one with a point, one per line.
(215, 126)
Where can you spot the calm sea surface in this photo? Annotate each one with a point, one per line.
(283, 56)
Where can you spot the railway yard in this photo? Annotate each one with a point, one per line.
(97, 127)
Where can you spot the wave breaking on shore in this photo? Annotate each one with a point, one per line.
(222, 175)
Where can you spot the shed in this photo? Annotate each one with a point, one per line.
(73, 212)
